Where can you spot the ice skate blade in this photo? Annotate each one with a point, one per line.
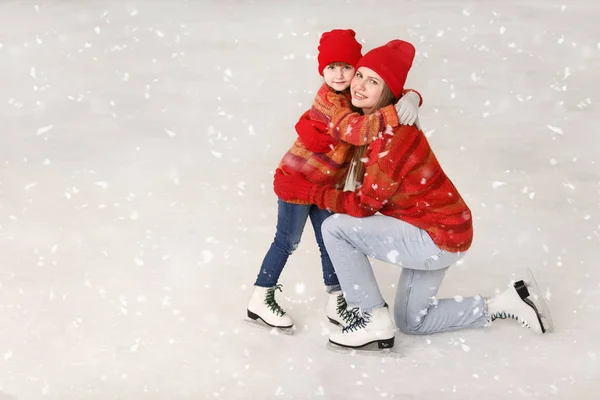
(538, 299)
(369, 350)
(272, 329)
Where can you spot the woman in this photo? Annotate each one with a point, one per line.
(425, 227)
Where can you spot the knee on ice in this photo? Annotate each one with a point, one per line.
(409, 324)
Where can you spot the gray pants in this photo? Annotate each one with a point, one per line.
(350, 241)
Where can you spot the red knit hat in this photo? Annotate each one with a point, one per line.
(392, 62)
(338, 45)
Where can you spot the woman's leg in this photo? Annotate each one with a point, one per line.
(418, 311)
(336, 307)
(317, 216)
(350, 240)
(291, 219)
(348, 244)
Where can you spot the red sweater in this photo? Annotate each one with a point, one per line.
(404, 180)
(351, 128)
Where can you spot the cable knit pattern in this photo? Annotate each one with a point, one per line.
(351, 128)
(404, 180)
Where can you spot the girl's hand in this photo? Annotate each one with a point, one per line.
(313, 134)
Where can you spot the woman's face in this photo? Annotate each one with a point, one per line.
(366, 88)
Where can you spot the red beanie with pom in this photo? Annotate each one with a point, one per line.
(392, 61)
(338, 45)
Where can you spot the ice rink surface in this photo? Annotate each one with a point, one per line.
(138, 143)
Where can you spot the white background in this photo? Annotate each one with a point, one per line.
(138, 143)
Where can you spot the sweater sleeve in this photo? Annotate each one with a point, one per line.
(381, 181)
(327, 197)
(353, 127)
(376, 189)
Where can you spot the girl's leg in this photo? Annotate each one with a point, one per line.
(417, 311)
(317, 216)
(291, 219)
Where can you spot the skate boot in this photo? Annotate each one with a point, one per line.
(263, 306)
(366, 328)
(514, 303)
(337, 309)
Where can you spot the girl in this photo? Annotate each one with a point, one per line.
(425, 227)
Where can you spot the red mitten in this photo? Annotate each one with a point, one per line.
(292, 187)
(313, 134)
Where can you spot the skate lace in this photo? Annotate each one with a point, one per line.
(504, 315)
(272, 303)
(342, 309)
(358, 320)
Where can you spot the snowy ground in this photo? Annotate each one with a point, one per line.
(138, 141)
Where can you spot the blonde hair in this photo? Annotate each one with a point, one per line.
(356, 172)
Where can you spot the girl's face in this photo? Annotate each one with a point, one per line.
(338, 76)
(366, 88)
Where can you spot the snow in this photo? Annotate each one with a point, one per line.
(139, 140)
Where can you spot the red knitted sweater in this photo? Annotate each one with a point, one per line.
(351, 128)
(403, 179)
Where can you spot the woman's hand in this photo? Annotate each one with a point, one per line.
(292, 187)
(408, 108)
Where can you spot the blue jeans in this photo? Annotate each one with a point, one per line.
(291, 219)
(350, 241)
